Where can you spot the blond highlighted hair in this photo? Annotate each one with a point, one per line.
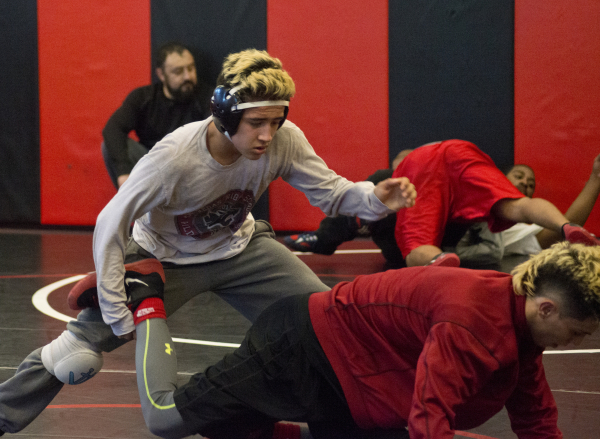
(571, 268)
(260, 76)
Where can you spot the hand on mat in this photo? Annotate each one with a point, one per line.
(396, 193)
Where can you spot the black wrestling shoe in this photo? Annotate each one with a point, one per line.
(304, 242)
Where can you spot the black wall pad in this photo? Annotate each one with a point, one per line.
(19, 114)
(451, 74)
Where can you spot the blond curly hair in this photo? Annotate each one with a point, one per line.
(260, 76)
(573, 269)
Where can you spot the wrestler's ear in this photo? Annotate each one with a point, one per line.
(547, 308)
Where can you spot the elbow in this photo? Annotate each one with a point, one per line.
(162, 425)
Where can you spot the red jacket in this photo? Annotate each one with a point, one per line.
(437, 349)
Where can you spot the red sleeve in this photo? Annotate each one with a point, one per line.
(452, 367)
(531, 408)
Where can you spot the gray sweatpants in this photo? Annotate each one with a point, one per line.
(264, 272)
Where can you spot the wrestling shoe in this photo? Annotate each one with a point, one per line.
(143, 279)
(304, 242)
(576, 234)
(445, 259)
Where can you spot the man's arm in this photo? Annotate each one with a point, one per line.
(134, 199)
(531, 407)
(581, 208)
(330, 192)
(117, 129)
(452, 367)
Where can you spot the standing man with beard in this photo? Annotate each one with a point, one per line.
(155, 110)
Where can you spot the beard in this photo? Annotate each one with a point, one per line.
(184, 93)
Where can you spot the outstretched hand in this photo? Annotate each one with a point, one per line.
(396, 193)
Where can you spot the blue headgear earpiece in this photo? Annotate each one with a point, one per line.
(227, 109)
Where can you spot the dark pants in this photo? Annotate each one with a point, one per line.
(135, 151)
(333, 232)
(278, 373)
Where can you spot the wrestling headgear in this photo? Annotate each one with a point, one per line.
(227, 109)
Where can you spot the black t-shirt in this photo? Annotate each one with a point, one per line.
(151, 115)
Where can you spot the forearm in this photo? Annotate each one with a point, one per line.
(580, 209)
(577, 213)
(110, 241)
(532, 211)
(115, 141)
(332, 193)
(117, 129)
(531, 407)
(453, 368)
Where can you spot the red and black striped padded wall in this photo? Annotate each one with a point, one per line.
(366, 88)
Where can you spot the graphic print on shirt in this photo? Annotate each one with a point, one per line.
(229, 210)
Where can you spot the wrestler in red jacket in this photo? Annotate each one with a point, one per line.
(420, 351)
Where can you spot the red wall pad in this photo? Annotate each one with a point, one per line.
(91, 54)
(337, 53)
(557, 89)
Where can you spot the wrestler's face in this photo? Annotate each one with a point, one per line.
(563, 331)
(523, 178)
(256, 130)
(550, 329)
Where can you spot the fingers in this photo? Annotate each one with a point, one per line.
(411, 196)
(407, 190)
(396, 193)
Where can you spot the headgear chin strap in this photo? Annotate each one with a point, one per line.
(227, 109)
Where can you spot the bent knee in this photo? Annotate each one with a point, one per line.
(158, 429)
(71, 360)
(167, 424)
(162, 417)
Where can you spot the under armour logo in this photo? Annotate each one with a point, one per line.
(131, 279)
(84, 377)
(169, 349)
